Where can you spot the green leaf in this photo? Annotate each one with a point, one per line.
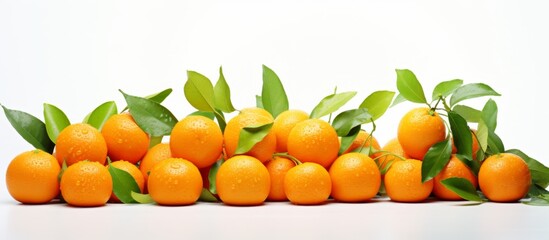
(142, 198)
(472, 90)
(123, 184)
(251, 135)
(155, 140)
(435, 159)
(409, 87)
(539, 172)
(212, 176)
(377, 103)
(489, 115)
(494, 143)
(220, 120)
(273, 96)
(470, 114)
(222, 94)
(158, 97)
(331, 104)
(32, 129)
(463, 139)
(199, 91)
(259, 101)
(463, 188)
(536, 190)
(482, 135)
(446, 88)
(209, 115)
(207, 196)
(347, 140)
(56, 121)
(63, 169)
(398, 99)
(153, 118)
(101, 114)
(345, 121)
(537, 201)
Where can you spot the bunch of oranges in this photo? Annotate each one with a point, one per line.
(298, 160)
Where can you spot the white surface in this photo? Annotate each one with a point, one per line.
(76, 54)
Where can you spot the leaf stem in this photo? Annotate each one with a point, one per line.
(288, 156)
(330, 117)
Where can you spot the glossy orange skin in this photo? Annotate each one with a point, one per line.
(257, 111)
(314, 140)
(278, 167)
(86, 184)
(403, 182)
(283, 124)
(394, 147)
(155, 155)
(31, 177)
(125, 139)
(243, 181)
(419, 130)
(133, 171)
(308, 184)
(504, 177)
(355, 178)
(262, 150)
(361, 139)
(175, 182)
(79, 142)
(454, 168)
(197, 139)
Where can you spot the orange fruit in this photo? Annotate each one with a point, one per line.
(314, 140)
(307, 184)
(355, 178)
(243, 180)
(419, 130)
(475, 145)
(283, 124)
(262, 150)
(393, 147)
(78, 142)
(454, 168)
(257, 111)
(31, 177)
(156, 154)
(362, 138)
(125, 139)
(197, 139)
(403, 182)
(175, 181)
(504, 177)
(133, 171)
(86, 184)
(278, 167)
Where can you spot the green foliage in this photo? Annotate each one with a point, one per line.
(472, 90)
(436, 159)
(32, 129)
(222, 94)
(158, 97)
(199, 91)
(249, 136)
(273, 95)
(141, 198)
(153, 118)
(446, 88)
(212, 175)
(463, 188)
(207, 196)
(331, 103)
(377, 103)
(470, 114)
(101, 114)
(348, 139)
(123, 184)
(56, 121)
(347, 120)
(409, 87)
(463, 138)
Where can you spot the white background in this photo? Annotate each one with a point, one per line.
(77, 54)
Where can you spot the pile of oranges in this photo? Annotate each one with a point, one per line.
(298, 160)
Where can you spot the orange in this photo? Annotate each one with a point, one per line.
(355, 178)
(86, 184)
(454, 168)
(79, 142)
(243, 180)
(257, 111)
(133, 171)
(125, 139)
(403, 182)
(283, 124)
(175, 181)
(419, 130)
(308, 184)
(475, 144)
(156, 154)
(31, 177)
(278, 167)
(262, 150)
(362, 139)
(197, 139)
(504, 177)
(391, 149)
(314, 140)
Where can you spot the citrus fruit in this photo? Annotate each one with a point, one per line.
(314, 140)
(31, 177)
(125, 139)
(175, 181)
(86, 184)
(454, 168)
(257, 111)
(364, 140)
(391, 149)
(420, 129)
(197, 139)
(78, 142)
(355, 178)
(243, 180)
(133, 171)
(283, 124)
(278, 167)
(403, 182)
(156, 154)
(262, 150)
(504, 177)
(307, 184)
